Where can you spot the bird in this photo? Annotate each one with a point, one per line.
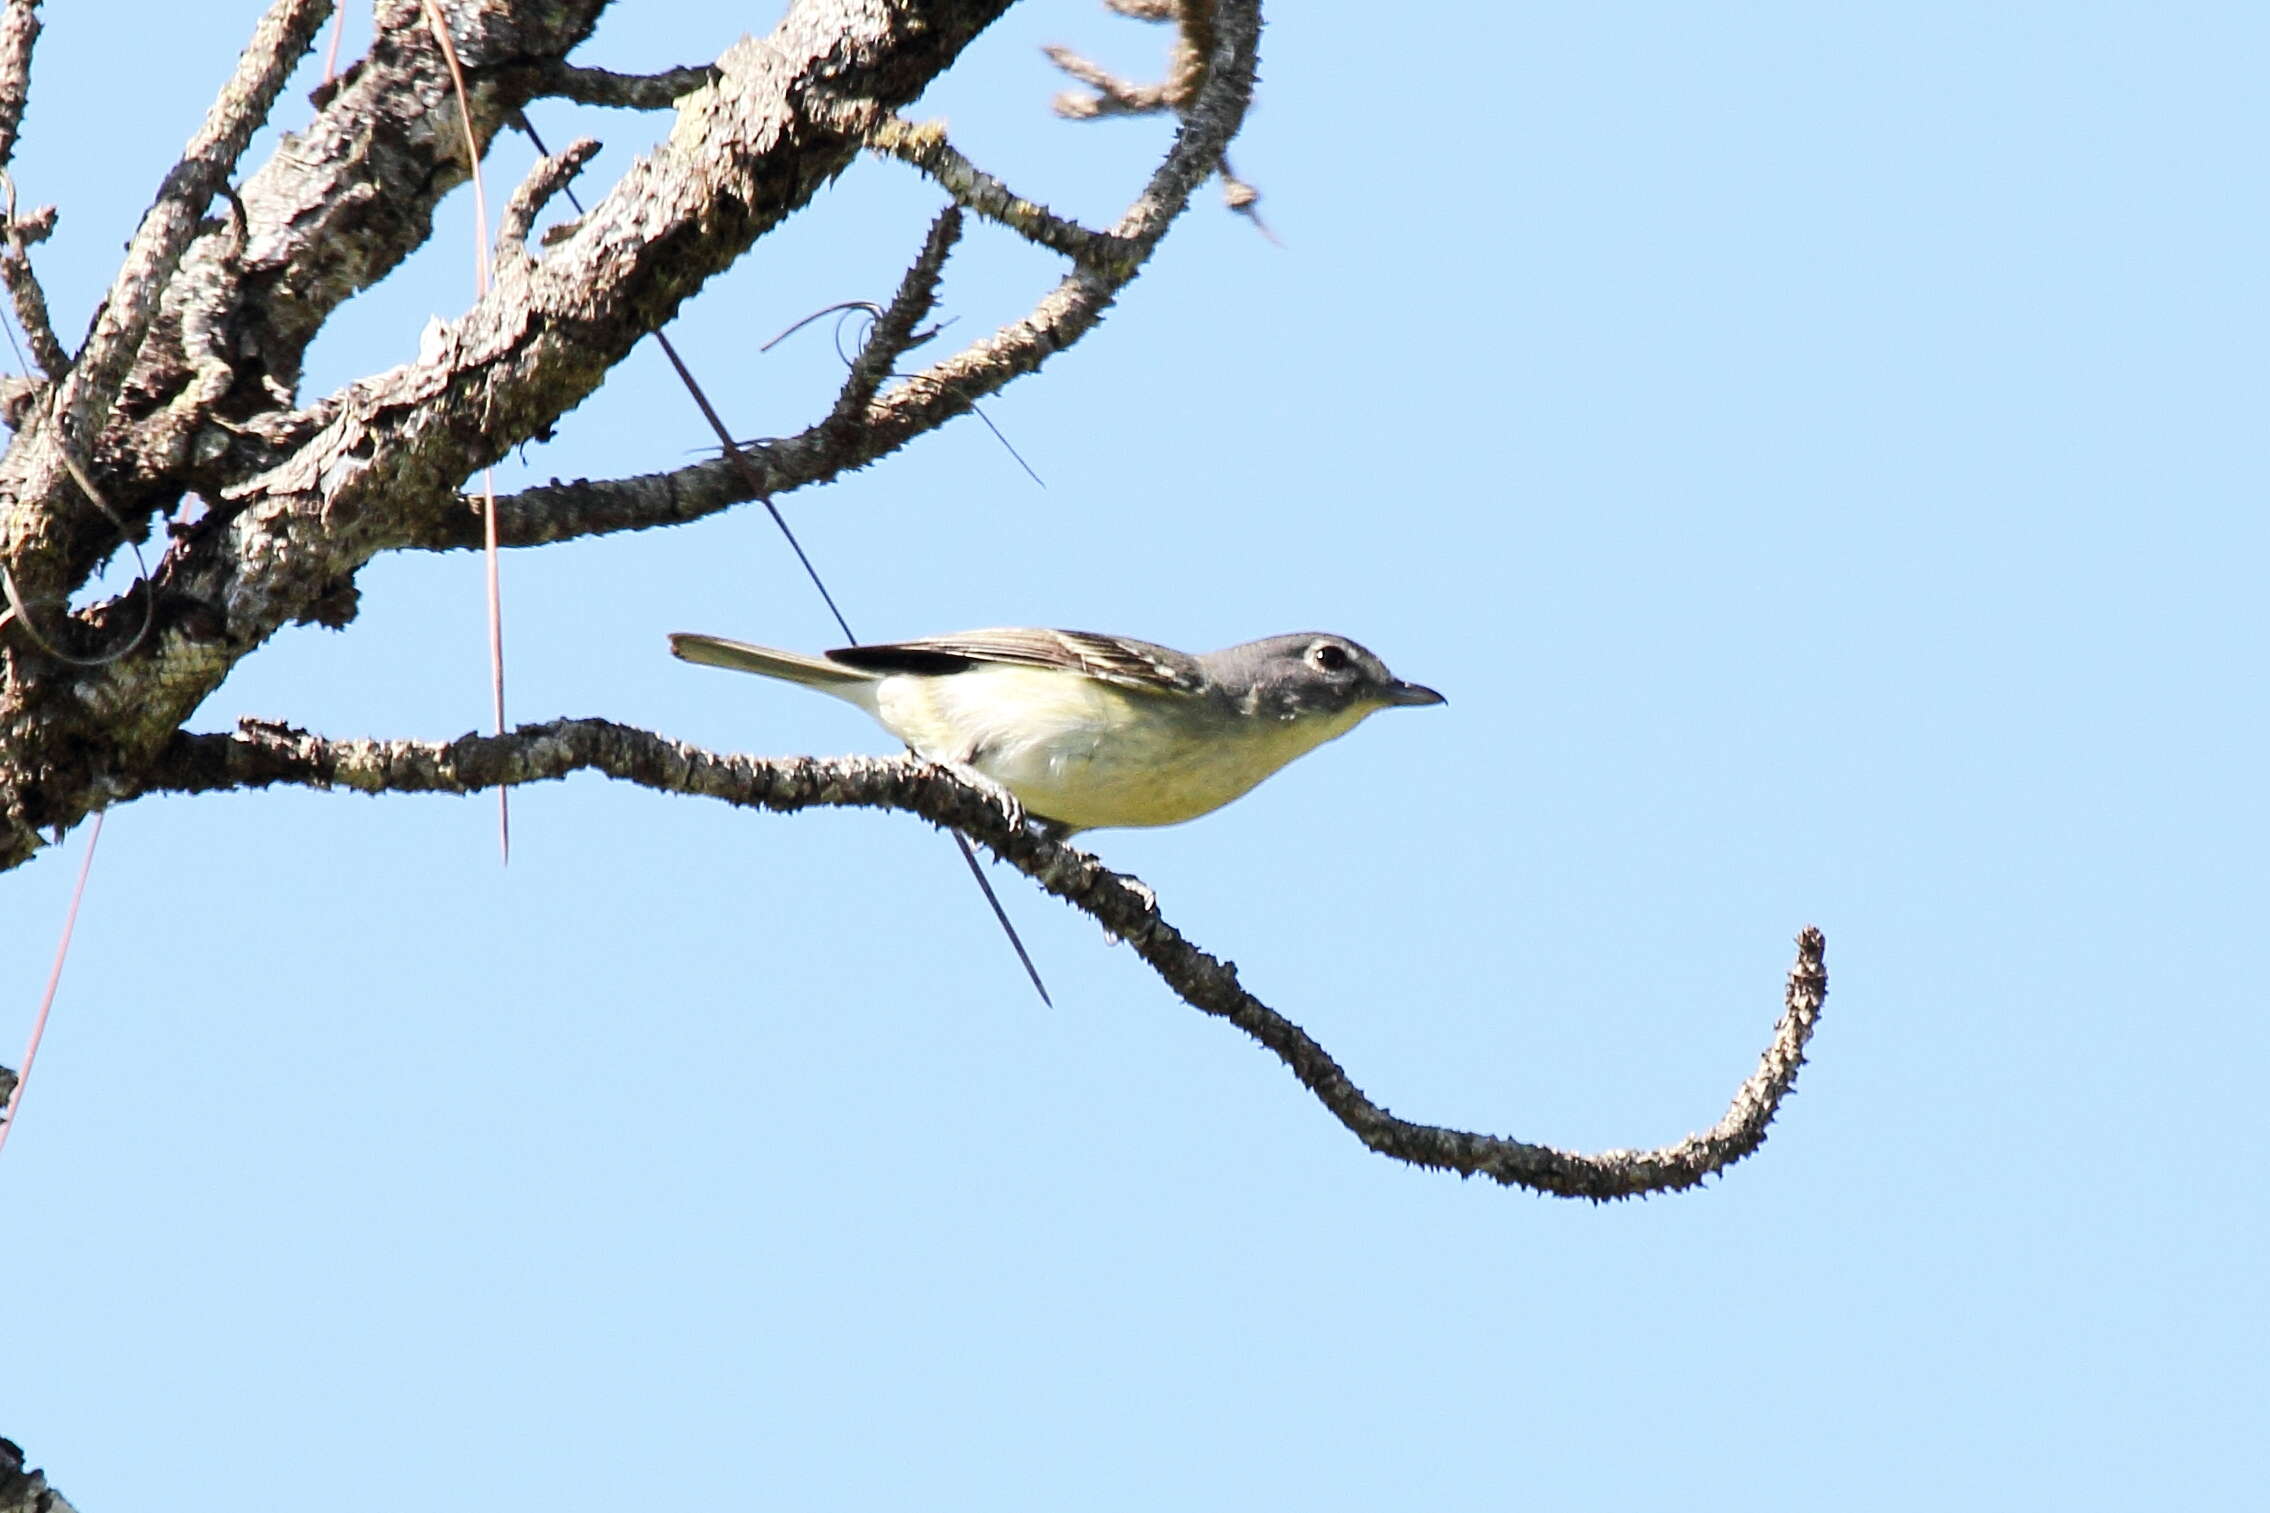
(1092, 731)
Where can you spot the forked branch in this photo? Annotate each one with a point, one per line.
(1108, 94)
(305, 497)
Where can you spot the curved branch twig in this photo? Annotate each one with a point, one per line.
(257, 755)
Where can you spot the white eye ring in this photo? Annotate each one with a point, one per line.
(1329, 656)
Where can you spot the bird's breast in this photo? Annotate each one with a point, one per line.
(1092, 755)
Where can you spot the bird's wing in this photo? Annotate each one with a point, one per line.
(1111, 659)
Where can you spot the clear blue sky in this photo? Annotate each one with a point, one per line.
(1818, 450)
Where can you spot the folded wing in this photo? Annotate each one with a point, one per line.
(1111, 659)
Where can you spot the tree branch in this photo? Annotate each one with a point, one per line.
(258, 755)
(19, 29)
(925, 147)
(1187, 66)
(894, 329)
(557, 79)
(24, 290)
(25, 1491)
(304, 499)
(562, 511)
(328, 215)
(287, 31)
(565, 511)
(547, 178)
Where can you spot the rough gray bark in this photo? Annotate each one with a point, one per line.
(186, 390)
(24, 1489)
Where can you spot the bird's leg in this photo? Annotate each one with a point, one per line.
(987, 786)
(1139, 888)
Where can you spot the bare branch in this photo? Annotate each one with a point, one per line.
(547, 177)
(26, 1491)
(1112, 95)
(283, 35)
(337, 206)
(46, 543)
(893, 331)
(24, 289)
(19, 29)
(303, 500)
(562, 511)
(925, 147)
(571, 510)
(556, 79)
(1187, 66)
(258, 755)
(1225, 85)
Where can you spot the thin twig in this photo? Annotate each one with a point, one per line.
(924, 146)
(1112, 95)
(19, 30)
(844, 310)
(599, 86)
(547, 177)
(23, 283)
(1185, 80)
(893, 331)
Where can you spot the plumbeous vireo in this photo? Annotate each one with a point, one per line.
(1094, 731)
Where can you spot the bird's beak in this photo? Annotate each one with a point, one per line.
(1413, 694)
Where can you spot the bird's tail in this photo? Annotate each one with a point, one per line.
(740, 656)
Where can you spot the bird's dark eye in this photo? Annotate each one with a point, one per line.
(1329, 657)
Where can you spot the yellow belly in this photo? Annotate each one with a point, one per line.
(1091, 755)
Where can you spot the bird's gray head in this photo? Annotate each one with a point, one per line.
(1309, 673)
